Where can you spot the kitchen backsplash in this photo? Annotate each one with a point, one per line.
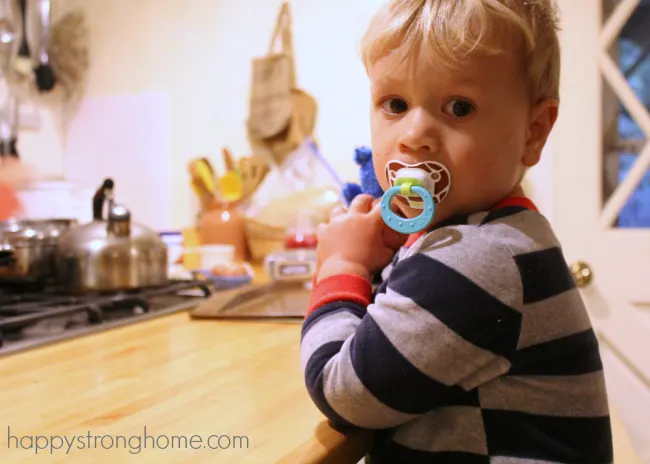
(127, 138)
(58, 199)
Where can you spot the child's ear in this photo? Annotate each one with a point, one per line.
(542, 120)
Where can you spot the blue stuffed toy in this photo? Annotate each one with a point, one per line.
(369, 183)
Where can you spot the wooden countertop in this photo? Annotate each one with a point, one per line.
(176, 377)
(179, 378)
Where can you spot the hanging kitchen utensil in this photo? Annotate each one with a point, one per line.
(45, 78)
(9, 124)
(8, 35)
(281, 115)
(23, 61)
(61, 62)
(111, 254)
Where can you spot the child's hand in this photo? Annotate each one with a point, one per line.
(356, 241)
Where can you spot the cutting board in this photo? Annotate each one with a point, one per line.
(276, 300)
(127, 138)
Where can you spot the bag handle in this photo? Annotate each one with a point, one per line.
(283, 29)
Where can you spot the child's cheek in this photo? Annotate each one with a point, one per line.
(379, 163)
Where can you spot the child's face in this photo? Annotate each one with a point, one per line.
(477, 121)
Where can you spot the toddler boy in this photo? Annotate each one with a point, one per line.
(476, 347)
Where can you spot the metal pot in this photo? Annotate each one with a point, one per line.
(112, 254)
(28, 248)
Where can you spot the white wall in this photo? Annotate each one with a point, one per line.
(197, 53)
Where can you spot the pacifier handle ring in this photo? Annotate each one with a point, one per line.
(408, 226)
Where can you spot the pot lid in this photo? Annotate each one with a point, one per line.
(21, 234)
(100, 230)
(29, 231)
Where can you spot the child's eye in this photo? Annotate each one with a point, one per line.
(459, 108)
(394, 106)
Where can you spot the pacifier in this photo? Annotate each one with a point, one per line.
(422, 186)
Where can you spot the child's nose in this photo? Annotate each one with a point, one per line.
(419, 134)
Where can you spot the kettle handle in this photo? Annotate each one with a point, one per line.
(103, 192)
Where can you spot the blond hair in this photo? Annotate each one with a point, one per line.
(450, 30)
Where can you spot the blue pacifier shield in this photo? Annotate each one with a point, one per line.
(408, 226)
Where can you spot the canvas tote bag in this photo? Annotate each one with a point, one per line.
(281, 116)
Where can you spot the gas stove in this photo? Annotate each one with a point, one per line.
(29, 319)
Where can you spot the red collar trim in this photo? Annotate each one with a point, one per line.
(523, 202)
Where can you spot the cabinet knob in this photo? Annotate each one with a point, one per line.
(581, 273)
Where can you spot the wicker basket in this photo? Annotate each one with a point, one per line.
(263, 239)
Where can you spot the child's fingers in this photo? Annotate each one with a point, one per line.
(337, 211)
(361, 204)
(376, 207)
(395, 206)
(391, 238)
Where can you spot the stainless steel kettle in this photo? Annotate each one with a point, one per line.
(112, 254)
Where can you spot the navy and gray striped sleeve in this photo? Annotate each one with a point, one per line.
(445, 324)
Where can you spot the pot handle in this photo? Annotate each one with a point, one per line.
(7, 256)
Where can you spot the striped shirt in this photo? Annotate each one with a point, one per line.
(475, 348)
